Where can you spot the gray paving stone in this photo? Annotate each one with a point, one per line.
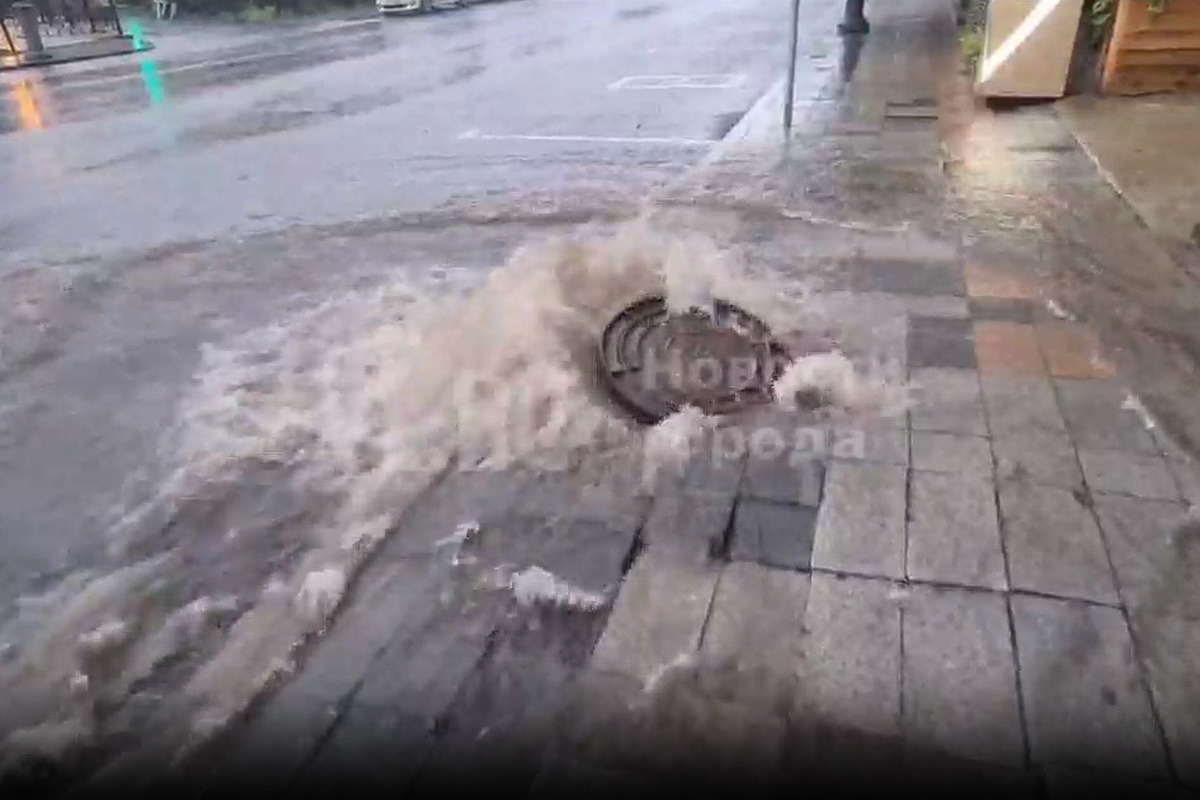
(588, 555)
(1001, 309)
(370, 749)
(941, 342)
(860, 527)
(285, 733)
(1044, 458)
(758, 614)
(884, 442)
(1085, 704)
(658, 617)
(425, 665)
(1170, 649)
(851, 669)
(960, 683)
(1140, 475)
(689, 525)
(1168, 445)
(937, 306)
(953, 534)
(926, 278)
(1069, 783)
(1186, 479)
(1053, 544)
(1096, 419)
(948, 400)
(1157, 574)
(951, 452)
(677, 733)
(1023, 407)
(606, 489)
(482, 496)
(715, 471)
(785, 480)
(773, 534)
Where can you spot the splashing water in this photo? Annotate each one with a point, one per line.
(299, 446)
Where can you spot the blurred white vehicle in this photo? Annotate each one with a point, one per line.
(413, 6)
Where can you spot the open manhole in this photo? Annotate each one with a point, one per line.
(720, 359)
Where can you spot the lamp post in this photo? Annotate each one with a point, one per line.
(853, 21)
(791, 76)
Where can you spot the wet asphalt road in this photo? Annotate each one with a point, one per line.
(374, 117)
(131, 189)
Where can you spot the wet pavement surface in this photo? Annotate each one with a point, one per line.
(372, 118)
(128, 178)
(237, 187)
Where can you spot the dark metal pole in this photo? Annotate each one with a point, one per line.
(8, 40)
(791, 78)
(854, 20)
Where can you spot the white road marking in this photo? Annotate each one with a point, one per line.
(720, 81)
(674, 141)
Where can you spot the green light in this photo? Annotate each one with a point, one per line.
(135, 33)
(153, 81)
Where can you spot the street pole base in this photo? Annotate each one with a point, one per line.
(853, 27)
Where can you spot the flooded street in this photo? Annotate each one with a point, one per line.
(268, 290)
(235, 277)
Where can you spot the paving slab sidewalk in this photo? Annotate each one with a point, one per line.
(995, 594)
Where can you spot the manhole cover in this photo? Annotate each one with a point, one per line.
(720, 359)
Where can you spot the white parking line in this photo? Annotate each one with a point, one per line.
(674, 141)
(719, 81)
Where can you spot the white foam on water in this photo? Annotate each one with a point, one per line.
(299, 445)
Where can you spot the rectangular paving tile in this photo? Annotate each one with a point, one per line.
(851, 670)
(940, 342)
(1053, 544)
(676, 732)
(953, 535)
(860, 527)
(773, 534)
(688, 525)
(988, 281)
(1073, 350)
(937, 306)
(960, 682)
(758, 616)
(884, 441)
(658, 616)
(1085, 703)
(948, 400)
(1017, 310)
(907, 277)
(1007, 348)
(1140, 475)
(1155, 574)
(376, 750)
(587, 555)
(1097, 420)
(1186, 479)
(605, 489)
(784, 479)
(1170, 649)
(1021, 406)
(1044, 458)
(951, 452)
(482, 496)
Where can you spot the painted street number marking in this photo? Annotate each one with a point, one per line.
(721, 81)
